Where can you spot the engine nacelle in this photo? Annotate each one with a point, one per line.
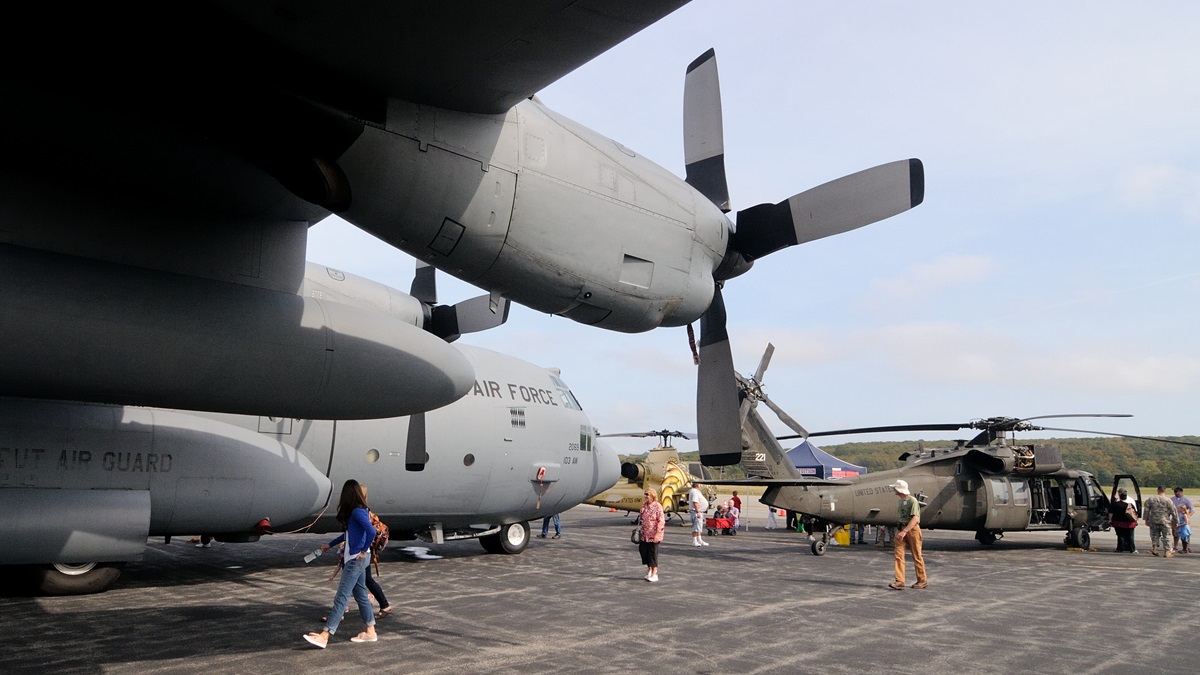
(103, 478)
(591, 231)
(85, 330)
(633, 471)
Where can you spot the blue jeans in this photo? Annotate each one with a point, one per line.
(354, 577)
(376, 590)
(546, 525)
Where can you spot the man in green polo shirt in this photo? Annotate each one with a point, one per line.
(908, 536)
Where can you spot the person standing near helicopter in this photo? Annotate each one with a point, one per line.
(1123, 516)
(908, 536)
(1160, 516)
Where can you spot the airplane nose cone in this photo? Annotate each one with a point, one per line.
(608, 467)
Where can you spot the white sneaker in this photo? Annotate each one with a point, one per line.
(703, 543)
(696, 542)
(652, 579)
(647, 577)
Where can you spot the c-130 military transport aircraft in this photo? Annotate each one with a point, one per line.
(83, 484)
(162, 169)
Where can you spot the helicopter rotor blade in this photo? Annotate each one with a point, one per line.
(785, 418)
(1109, 433)
(688, 435)
(764, 362)
(879, 430)
(1046, 417)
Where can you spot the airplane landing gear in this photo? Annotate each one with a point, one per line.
(1079, 538)
(986, 537)
(818, 546)
(511, 539)
(76, 578)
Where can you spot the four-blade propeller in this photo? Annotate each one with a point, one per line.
(838, 206)
(448, 322)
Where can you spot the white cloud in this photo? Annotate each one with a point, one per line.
(950, 353)
(793, 347)
(925, 280)
(1161, 186)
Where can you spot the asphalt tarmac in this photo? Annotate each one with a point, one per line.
(757, 602)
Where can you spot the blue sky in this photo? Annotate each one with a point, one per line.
(1052, 268)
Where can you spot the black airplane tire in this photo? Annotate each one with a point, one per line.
(985, 537)
(1080, 538)
(514, 537)
(818, 547)
(491, 543)
(76, 579)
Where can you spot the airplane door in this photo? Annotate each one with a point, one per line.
(1007, 503)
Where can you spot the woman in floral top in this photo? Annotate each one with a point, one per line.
(653, 526)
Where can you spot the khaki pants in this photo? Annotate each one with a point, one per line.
(912, 542)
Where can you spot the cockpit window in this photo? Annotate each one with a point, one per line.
(565, 395)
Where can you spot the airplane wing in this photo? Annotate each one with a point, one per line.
(162, 169)
(473, 56)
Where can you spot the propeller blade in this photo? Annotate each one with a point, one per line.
(763, 363)
(1109, 433)
(414, 451)
(785, 418)
(469, 316)
(717, 416)
(880, 430)
(703, 134)
(841, 205)
(424, 285)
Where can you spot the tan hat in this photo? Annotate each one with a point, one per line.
(901, 486)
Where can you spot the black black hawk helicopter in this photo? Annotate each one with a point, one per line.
(990, 484)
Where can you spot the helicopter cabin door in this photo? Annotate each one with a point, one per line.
(1007, 502)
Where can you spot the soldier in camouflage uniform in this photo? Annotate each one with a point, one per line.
(1159, 513)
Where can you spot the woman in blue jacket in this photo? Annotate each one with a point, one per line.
(356, 555)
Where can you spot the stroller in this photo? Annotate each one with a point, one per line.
(721, 522)
(722, 525)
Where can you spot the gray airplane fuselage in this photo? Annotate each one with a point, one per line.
(89, 482)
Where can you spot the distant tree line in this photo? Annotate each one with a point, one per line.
(1151, 462)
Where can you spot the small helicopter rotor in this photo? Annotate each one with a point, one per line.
(664, 435)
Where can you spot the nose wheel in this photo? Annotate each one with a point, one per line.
(819, 546)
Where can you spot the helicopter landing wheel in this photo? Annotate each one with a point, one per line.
(985, 537)
(1080, 538)
(818, 547)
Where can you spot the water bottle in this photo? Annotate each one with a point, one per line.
(312, 556)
